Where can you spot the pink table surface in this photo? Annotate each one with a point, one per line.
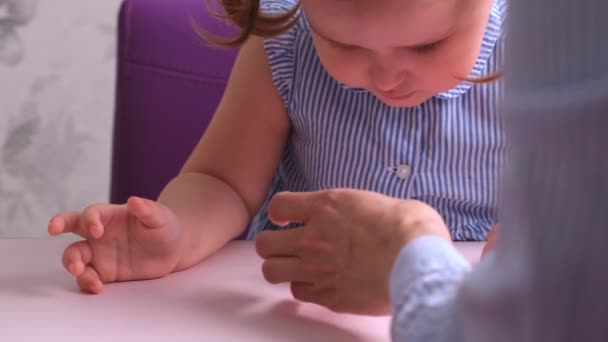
(224, 298)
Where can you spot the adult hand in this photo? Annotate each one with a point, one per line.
(343, 255)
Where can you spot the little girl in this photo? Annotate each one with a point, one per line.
(391, 96)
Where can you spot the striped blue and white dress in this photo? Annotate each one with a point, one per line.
(447, 152)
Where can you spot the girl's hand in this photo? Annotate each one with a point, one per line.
(492, 235)
(138, 240)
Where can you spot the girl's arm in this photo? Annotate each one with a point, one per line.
(228, 175)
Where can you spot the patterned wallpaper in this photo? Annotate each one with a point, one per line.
(56, 101)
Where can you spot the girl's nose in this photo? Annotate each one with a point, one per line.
(387, 74)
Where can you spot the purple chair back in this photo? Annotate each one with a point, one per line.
(169, 83)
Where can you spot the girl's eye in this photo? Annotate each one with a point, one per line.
(344, 47)
(425, 49)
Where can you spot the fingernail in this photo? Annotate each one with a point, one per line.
(50, 224)
(146, 202)
(94, 230)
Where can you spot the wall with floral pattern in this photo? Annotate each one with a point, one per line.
(56, 100)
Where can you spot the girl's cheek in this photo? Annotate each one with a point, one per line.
(350, 69)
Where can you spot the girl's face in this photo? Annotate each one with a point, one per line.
(403, 51)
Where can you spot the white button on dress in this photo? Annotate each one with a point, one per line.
(402, 171)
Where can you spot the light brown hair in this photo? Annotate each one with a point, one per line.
(250, 20)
